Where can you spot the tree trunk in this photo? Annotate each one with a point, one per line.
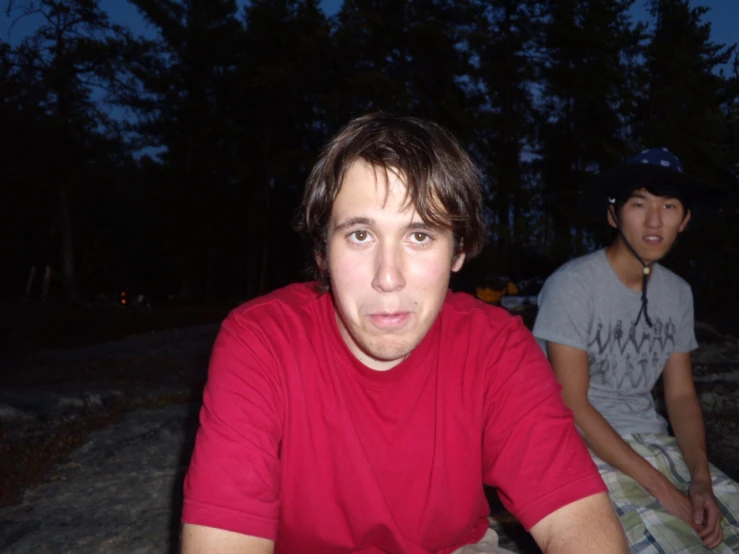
(504, 227)
(67, 246)
(263, 265)
(517, 227)
(267, 234)
(254, 242)
(211, 272)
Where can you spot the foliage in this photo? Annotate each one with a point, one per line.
(173, 163)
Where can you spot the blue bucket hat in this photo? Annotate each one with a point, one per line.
(653, 166)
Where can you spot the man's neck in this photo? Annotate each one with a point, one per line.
(627, 267)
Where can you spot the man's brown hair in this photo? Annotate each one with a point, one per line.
(442, 182)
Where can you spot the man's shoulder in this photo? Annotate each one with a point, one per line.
(465, 315)
(463, 306)
(285, 302)
(582, 266)
(673, 280)
(577, 276)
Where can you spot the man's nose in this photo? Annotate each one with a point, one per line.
(654, 216)
(389, 269)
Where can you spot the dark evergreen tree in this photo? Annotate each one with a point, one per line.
(586, 98)
(69, 58)
(278, 98)
(404, 57)
(689, 106)
(503, 43)
(182, 77)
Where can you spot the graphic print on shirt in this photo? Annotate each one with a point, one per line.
(629, 361)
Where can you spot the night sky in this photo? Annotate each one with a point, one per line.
(723, 16)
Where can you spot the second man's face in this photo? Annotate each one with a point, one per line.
(652, 223)
(389, 271)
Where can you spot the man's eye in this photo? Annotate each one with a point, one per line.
(420, 237)
(360, 236)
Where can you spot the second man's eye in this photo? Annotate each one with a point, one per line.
(360, 236)
(420, 237)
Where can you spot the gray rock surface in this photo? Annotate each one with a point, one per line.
(156, 364)
(120, 492)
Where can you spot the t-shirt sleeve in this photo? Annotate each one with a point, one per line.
(233, 479)
(685, 340)
(564, 311)
(532, 452)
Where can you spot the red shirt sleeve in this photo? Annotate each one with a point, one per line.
(233, 479)
(532, 451)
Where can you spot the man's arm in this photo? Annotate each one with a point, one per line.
(571, 367)
(582, 527)
(685, 415)
(686, 418)
(197, 539)
(232, 483)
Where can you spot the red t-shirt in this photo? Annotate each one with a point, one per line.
(301, 443)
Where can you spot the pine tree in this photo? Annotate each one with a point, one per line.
(72, 54)
(689, 106)
(682, 106)
(182, 75)
(503, 43)
(404, 57)
(587, 102)
(279, 97)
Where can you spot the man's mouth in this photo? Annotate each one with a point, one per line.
(653, 239)
(390, 320)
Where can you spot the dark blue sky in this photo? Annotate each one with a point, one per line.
(723, 16)
(121, 12)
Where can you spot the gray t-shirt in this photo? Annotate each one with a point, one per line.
(585, 305)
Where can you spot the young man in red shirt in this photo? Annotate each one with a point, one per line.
(364, 412)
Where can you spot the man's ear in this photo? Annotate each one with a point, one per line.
(686, 219)
(610, 215)
(458, 262)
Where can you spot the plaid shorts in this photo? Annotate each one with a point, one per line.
(650, 529)
(487, 545)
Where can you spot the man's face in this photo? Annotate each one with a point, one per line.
(651, 223)
(389, 271)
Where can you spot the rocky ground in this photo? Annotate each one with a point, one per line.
(117, 489)
(716, 374)
(119, 492)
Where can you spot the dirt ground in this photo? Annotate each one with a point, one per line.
(30, 327)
